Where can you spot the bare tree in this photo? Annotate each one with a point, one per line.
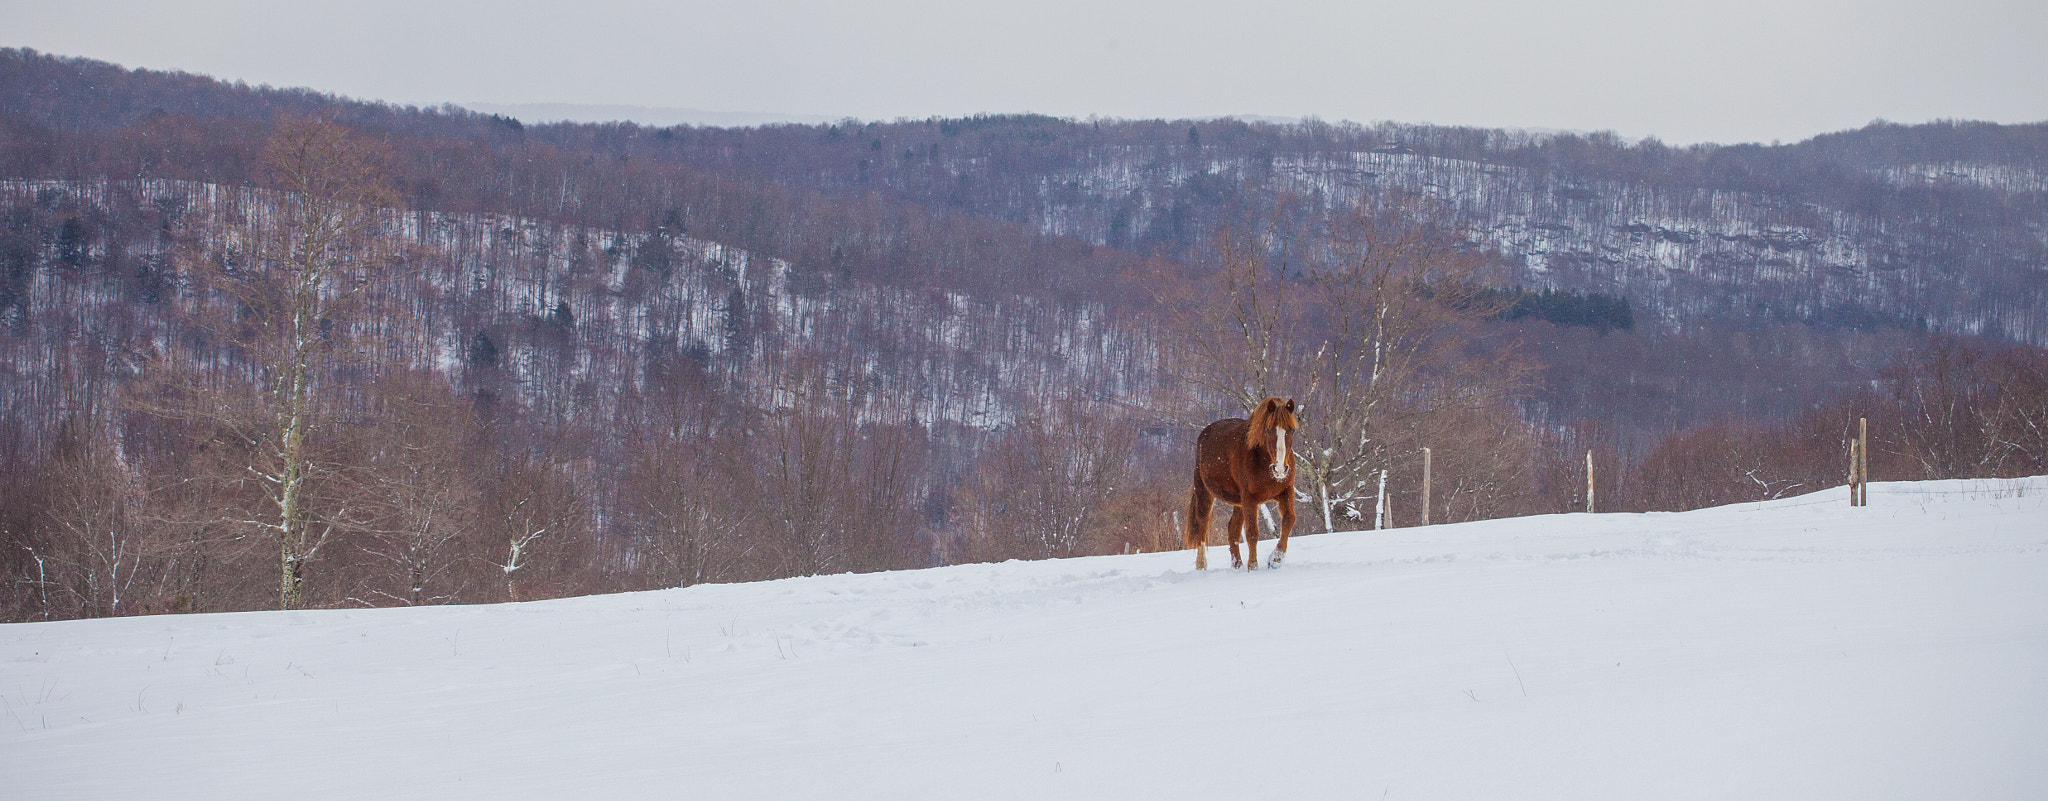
(93, 546)
(1240, 336)
(886, 491)
(1040, 489)
(835, 483)
(1371, 324)
(807, 444)
(296, 264)
(417, 493)
(1969, 410)
(682, 509)
(531, 509)
(684, 489)
(2020, 421)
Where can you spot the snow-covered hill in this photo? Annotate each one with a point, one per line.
(1791, 649)
(1676, 253)
(607, 303)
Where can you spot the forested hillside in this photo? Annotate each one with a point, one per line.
(1934, 225)
(543, 360)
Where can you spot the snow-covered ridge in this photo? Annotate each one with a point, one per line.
(950, 358)
(1792, 648)
(1999, 177)
(1675, 254)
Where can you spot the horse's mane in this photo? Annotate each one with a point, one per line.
(1262, 419)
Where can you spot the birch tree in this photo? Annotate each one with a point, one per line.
(1398, 352)
(534, 504)
(296, 265)
(91, 546)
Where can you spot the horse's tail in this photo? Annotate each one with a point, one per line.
(1199, 503)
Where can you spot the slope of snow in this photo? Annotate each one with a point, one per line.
(1791, 649)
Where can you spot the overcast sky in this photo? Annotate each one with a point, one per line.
(1738, 70)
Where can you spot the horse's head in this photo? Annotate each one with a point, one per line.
(1272, 424)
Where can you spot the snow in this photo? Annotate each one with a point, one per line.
(1791, 649)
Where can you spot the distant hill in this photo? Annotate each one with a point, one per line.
(1934, 226)
(655, 116)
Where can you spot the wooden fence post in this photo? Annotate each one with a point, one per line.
(1379, 514)
(1589, 482)
(1852, 474)
(1859, 464)
(1425, 486)
(1863, 461)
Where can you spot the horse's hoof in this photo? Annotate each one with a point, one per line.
(1236, 563)
(1274, 560)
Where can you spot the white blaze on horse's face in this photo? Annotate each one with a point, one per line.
(1280, 455)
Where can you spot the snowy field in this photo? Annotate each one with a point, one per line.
(1796, 649)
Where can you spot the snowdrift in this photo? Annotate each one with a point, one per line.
(1789, 649)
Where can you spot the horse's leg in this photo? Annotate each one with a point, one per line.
(1251, 536)
(1286, 503)
(1199, 502)
(1236, 534)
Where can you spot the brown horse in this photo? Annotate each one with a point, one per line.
(1244, 463)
